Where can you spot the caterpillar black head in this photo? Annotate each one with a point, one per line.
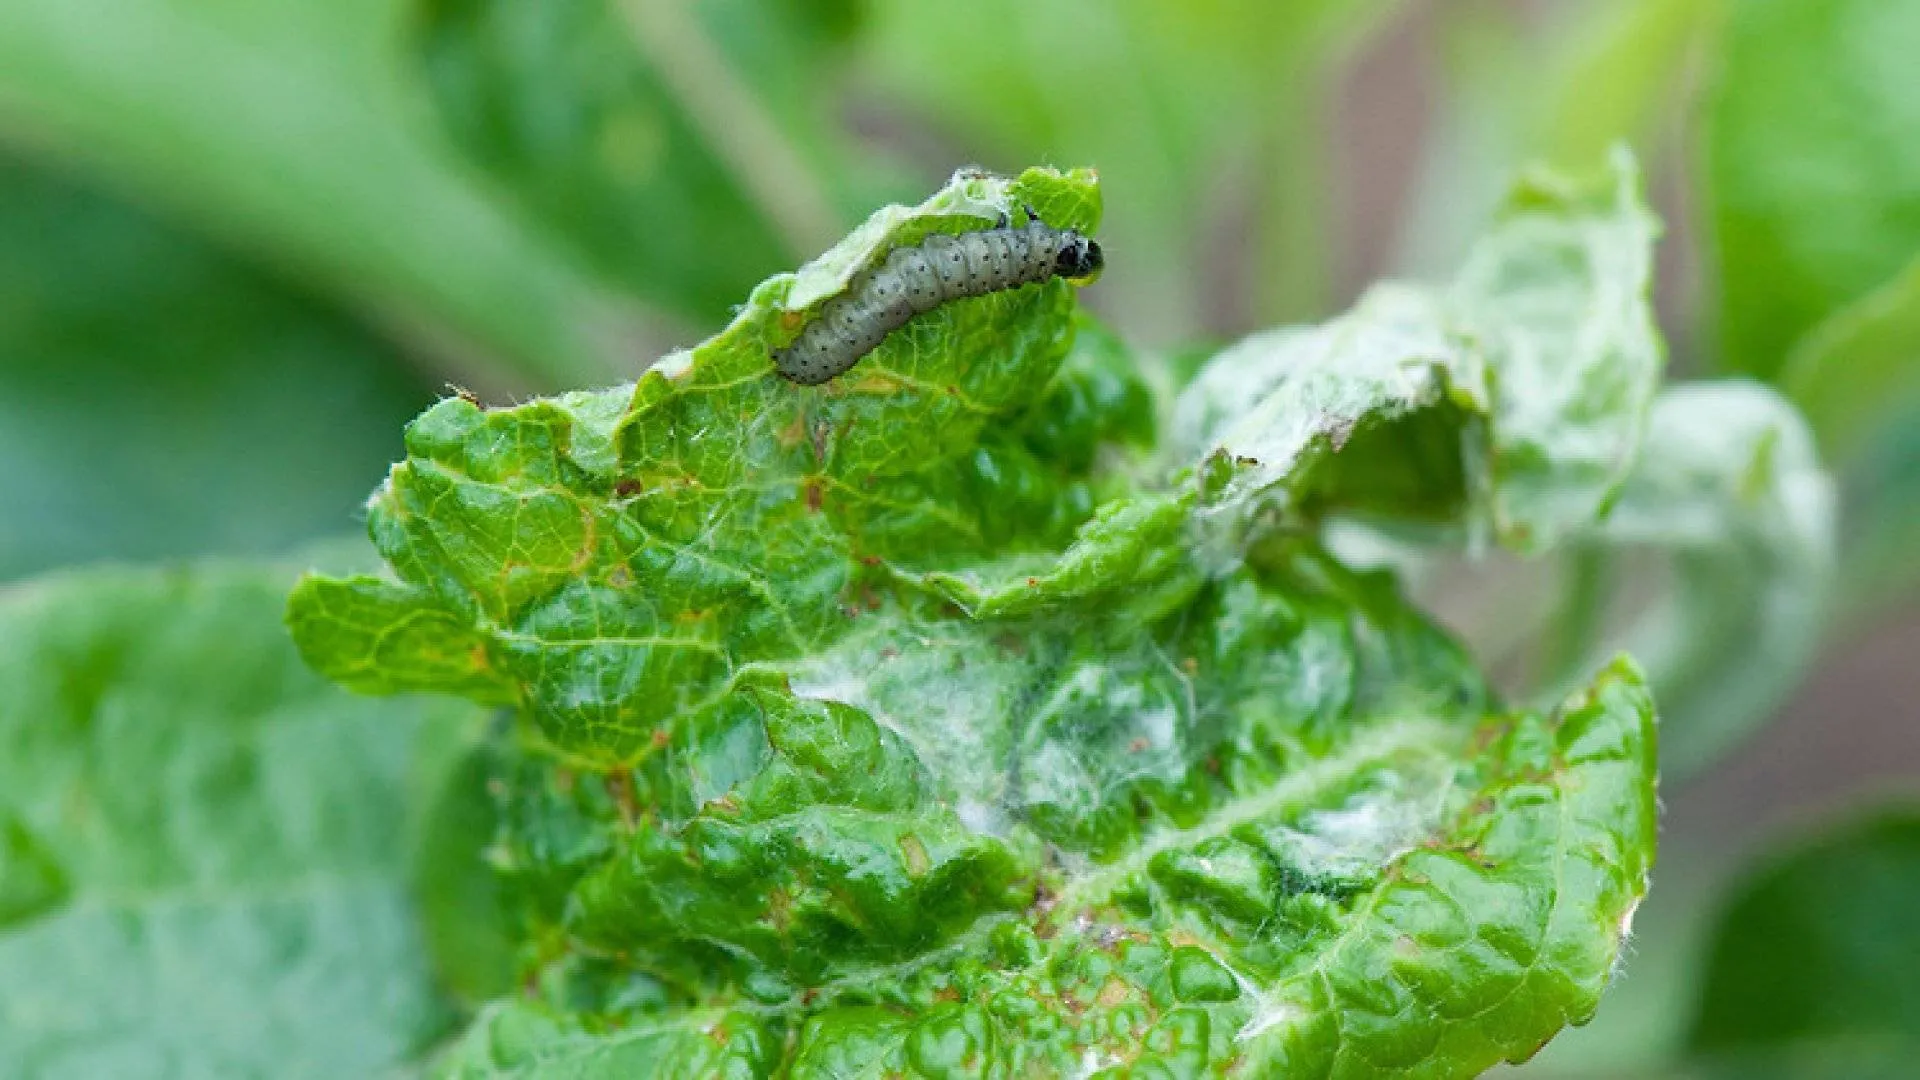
(1079, 257)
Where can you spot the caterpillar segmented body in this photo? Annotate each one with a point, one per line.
(914, 280)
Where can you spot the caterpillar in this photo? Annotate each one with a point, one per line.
(914, 280)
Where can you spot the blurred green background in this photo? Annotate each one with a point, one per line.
(243, 241)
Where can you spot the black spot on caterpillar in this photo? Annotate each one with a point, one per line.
(914, 280)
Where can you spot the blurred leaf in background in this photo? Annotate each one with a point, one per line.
(1211, 116)
(1813, 180)
(159, 399)
(1564, 85)
(1812, 970)
(685, 151)
(300, 134)
(1729, 494)
(1812, 169)
(204, 848)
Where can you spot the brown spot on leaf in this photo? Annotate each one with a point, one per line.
(1490, 734)
(873, 381)
(620, 788)
(791, 435)
(589, 540)
(779, 910)
(815, 496)
(1115, 992)
(1044, 901)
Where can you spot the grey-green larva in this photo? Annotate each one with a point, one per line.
(917, 279)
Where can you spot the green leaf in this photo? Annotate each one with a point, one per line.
(616, 558)
(1516, 403)
(1810, 971)
(463, 910)
(203, 847)
(1812, 175)
(515, 1039)
(910, 724)
(158, 399)
(1535, 369)
(294, 131)
(1388, 909)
